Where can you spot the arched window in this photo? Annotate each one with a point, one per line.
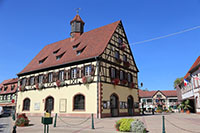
(26, 104)
(79, 102)
(49, 103)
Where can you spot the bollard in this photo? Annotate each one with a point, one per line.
(163, 119)
(92, 122)
(14, 129)
(55, 120)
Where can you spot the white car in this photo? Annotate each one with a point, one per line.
(1, 111)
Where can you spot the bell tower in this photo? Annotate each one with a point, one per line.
(77, 27)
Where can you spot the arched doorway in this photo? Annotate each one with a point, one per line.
(114, 102)
(130, 105)
(49, 104)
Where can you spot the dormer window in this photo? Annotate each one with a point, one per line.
(75, 46)
(41, 61)
(55, 52)
(59, 56)
(5, 88)
(12, 87)
(80, 51)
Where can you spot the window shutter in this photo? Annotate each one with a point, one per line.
(82, 71)
(27, 81)
(110, 72)
(69, 74)
(126, 76)
(92, 70)
(54, 76)
(117, 73)
(65, 73)
(57, 75)
(77, 74)
(36, 79)
(131, 77)
(47, 78)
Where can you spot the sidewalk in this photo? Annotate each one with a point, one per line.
(174, 123)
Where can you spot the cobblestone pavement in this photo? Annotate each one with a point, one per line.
(5, 124)
(174, 123)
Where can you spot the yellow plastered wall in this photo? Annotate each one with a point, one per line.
(67, 93)
(122, 92)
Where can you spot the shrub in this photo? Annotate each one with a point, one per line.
(138, 127)
(124, 124)
(22, 120)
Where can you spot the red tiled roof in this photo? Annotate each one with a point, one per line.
(8, 83)
(146, 93)
(197, 62)
(167, 93)
(170, 93)
(77, 18)
(95, 41)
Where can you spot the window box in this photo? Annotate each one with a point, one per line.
(124, 82)
(131, 85)
(39, 86)
(115, 81)
(126, 64)
(118, 60)
(87, 79)
(58, 83)
(22, 88)
(122, 46)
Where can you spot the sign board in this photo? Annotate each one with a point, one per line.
(37, 106)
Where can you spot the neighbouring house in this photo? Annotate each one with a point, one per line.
(8, 90)
(164, 99)
(90, 72)
(190, 89)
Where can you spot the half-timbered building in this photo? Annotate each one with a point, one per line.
(90, 72)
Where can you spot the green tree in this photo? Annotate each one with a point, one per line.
(177, 82)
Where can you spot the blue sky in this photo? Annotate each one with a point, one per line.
(26, 26)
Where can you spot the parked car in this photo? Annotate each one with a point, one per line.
(1, 111)
(7, 112)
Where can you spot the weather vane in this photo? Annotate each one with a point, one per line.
(77, 10)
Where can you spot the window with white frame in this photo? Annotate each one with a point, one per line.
(61, 76)
(87, 70)
(32, 81)
(129, 77)
(73, 73)
(113, 72)
(121, 75)
(23, 81)
(40, 79)
(50, 77)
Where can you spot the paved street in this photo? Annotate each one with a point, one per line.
(5, 124)
(175, 123)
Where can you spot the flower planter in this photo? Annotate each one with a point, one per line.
(182, 111)
(22, 88)
(124, 82)
(126, 64)
(87, 79)
(131, 85)
(187, 111)
(115, 81)
(122, 46)
(118, 60)
(62, 83)
(58, 83)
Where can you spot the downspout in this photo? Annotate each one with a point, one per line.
(98, 81)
